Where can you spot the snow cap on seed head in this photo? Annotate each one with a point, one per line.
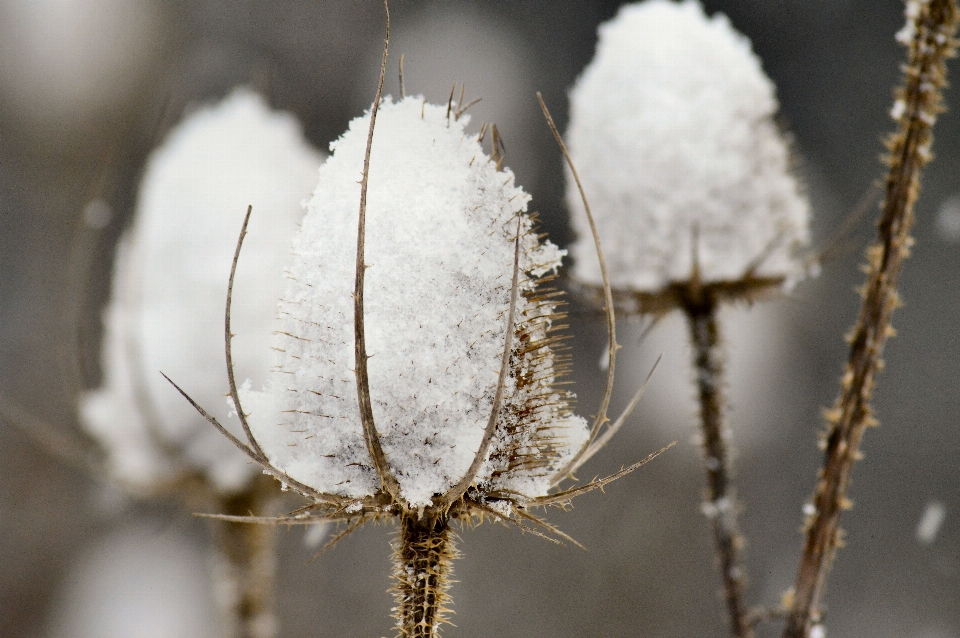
(671, 128)
(170, 283)
(441, 223)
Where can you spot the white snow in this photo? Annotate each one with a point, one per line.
(930, 522)
(170, 283)
(441, 222)
(672, 131)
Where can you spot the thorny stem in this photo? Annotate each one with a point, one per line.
(248, 564)
(423, 554)
(720, 506)
(931, 42)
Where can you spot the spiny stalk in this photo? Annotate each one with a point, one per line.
(929, 35)
(423, 557)
(720, 506)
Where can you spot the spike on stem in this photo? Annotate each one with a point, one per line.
(423, 554)
(929, 36)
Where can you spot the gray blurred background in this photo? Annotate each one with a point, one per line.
(87, 87)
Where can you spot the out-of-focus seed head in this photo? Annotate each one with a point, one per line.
(671, 128)
(169, 283)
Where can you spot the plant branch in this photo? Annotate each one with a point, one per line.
(228, 340)
(423, 553)
(930, 37)
(720, 506)
(248, 567)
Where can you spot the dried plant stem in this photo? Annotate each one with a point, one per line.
(720, 506)
(248, 564)
(931, 42)
(423, 553)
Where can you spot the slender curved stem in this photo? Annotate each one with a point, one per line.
(281, 476)
(228, 340)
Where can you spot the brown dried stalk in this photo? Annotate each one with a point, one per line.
(929, 35)
(423, 555)
(387, 478)
(248, 555)
(720, 506)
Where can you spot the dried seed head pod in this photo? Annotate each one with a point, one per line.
(672, 129)
(441, 224)
(169, 282)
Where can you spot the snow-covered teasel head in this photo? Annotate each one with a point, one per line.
(672, 129)
(169, 283)
(417, 350)
(441, 228)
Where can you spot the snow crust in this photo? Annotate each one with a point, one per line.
(672, 132)
(441, 222)
(170, 283)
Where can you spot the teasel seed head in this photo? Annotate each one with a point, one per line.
(688, 174)
(441, 229)
(169, 279)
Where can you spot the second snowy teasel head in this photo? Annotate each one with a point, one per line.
(671, 127)
(441, 239)
(169, 278)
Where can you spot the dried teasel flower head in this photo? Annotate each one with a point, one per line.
(169, 280)
(417, 352)
(672, 128)
(441, 229)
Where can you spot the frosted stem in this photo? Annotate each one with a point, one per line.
(423, 554)
(929, 35)
(248, 565)
(720, 506)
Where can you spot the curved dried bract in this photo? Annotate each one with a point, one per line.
(388, 480)
(612, 346)
(228, 340)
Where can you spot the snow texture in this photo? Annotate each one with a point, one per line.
(170, 284)
(441, 223)
(672, 131)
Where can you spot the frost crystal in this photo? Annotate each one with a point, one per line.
(671, 129)
(440, 227)
(169, 287)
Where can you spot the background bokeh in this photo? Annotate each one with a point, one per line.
(87, 87)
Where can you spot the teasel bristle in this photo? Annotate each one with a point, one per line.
(423, 563)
